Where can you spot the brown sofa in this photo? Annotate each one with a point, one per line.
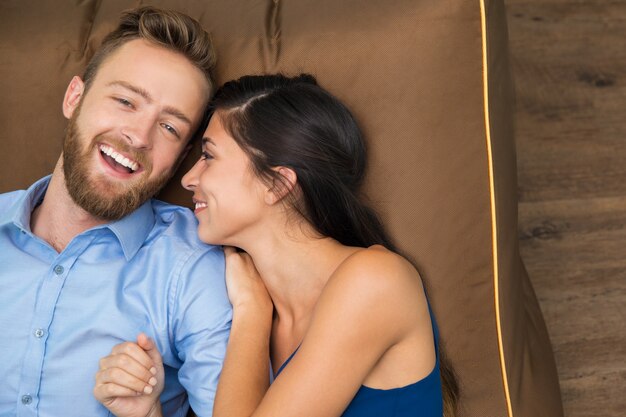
(429, 83)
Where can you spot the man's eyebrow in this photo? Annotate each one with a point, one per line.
(177, 114)
(137, 90)
(143, 93)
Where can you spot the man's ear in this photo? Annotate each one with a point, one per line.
(281, 186)
(73, 95)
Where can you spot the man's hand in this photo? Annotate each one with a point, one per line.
(131, 379)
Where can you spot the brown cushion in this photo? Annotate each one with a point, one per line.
(438, 121)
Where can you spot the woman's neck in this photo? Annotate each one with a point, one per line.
(295, 267)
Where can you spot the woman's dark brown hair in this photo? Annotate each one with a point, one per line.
(293, 122)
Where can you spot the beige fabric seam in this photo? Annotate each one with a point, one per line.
(492, 192)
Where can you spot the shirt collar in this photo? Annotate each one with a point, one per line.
(19, 213)
(131, 230)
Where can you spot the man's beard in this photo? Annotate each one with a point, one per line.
(104, 199)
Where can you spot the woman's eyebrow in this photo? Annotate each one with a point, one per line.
(208, 141)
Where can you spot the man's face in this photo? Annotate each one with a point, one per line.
(127, 132)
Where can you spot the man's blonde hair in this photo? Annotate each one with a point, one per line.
(167, 28)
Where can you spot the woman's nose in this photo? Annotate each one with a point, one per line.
(190, 179)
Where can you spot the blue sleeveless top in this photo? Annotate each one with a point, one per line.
(420, 399)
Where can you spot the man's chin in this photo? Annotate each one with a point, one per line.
(112, 201)
(107, 200)
(113, 189)
(107, 208)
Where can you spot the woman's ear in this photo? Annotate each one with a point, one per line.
(282, 185)
(73, 95)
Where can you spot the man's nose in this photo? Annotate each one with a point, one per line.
(139, 131)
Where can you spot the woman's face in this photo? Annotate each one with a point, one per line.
(228, 196)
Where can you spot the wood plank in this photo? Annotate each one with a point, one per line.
(569, 65)
(574, 253)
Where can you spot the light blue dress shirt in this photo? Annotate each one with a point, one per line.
(61, 312)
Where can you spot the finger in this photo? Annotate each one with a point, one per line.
(248, 260)
(128, 364)
(239, 261)
(105, 392)
(117, 376)
(134, 351)
(150, 347)
(229, 250)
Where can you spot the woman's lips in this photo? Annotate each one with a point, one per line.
(199, 206)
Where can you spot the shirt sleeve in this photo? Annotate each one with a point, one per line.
(200, 325)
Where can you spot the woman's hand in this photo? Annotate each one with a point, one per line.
(131, 379)
(245, 374)
(244, 284)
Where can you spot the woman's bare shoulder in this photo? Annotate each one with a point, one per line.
(377, 279)
(379, 267)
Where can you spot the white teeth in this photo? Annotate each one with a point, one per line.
(200, 205)
(122, 160)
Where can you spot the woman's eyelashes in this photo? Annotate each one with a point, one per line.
(205, 156)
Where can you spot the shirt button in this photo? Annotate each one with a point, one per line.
(58, 269)
(39, 333)
(27, 399)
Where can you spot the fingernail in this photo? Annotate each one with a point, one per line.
(153, 370)
(152, 381)
(147, 389)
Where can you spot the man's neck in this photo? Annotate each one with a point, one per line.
(58, 219)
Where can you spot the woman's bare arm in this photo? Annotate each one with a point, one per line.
(370, 304)
(245, 374)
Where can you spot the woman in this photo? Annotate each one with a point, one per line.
(344, 319)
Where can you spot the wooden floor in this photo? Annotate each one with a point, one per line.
(569, 65)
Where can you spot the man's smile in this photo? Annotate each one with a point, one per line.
(117, 161)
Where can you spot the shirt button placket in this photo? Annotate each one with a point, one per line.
(28, 400)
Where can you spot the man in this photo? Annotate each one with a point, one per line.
(88, 260)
